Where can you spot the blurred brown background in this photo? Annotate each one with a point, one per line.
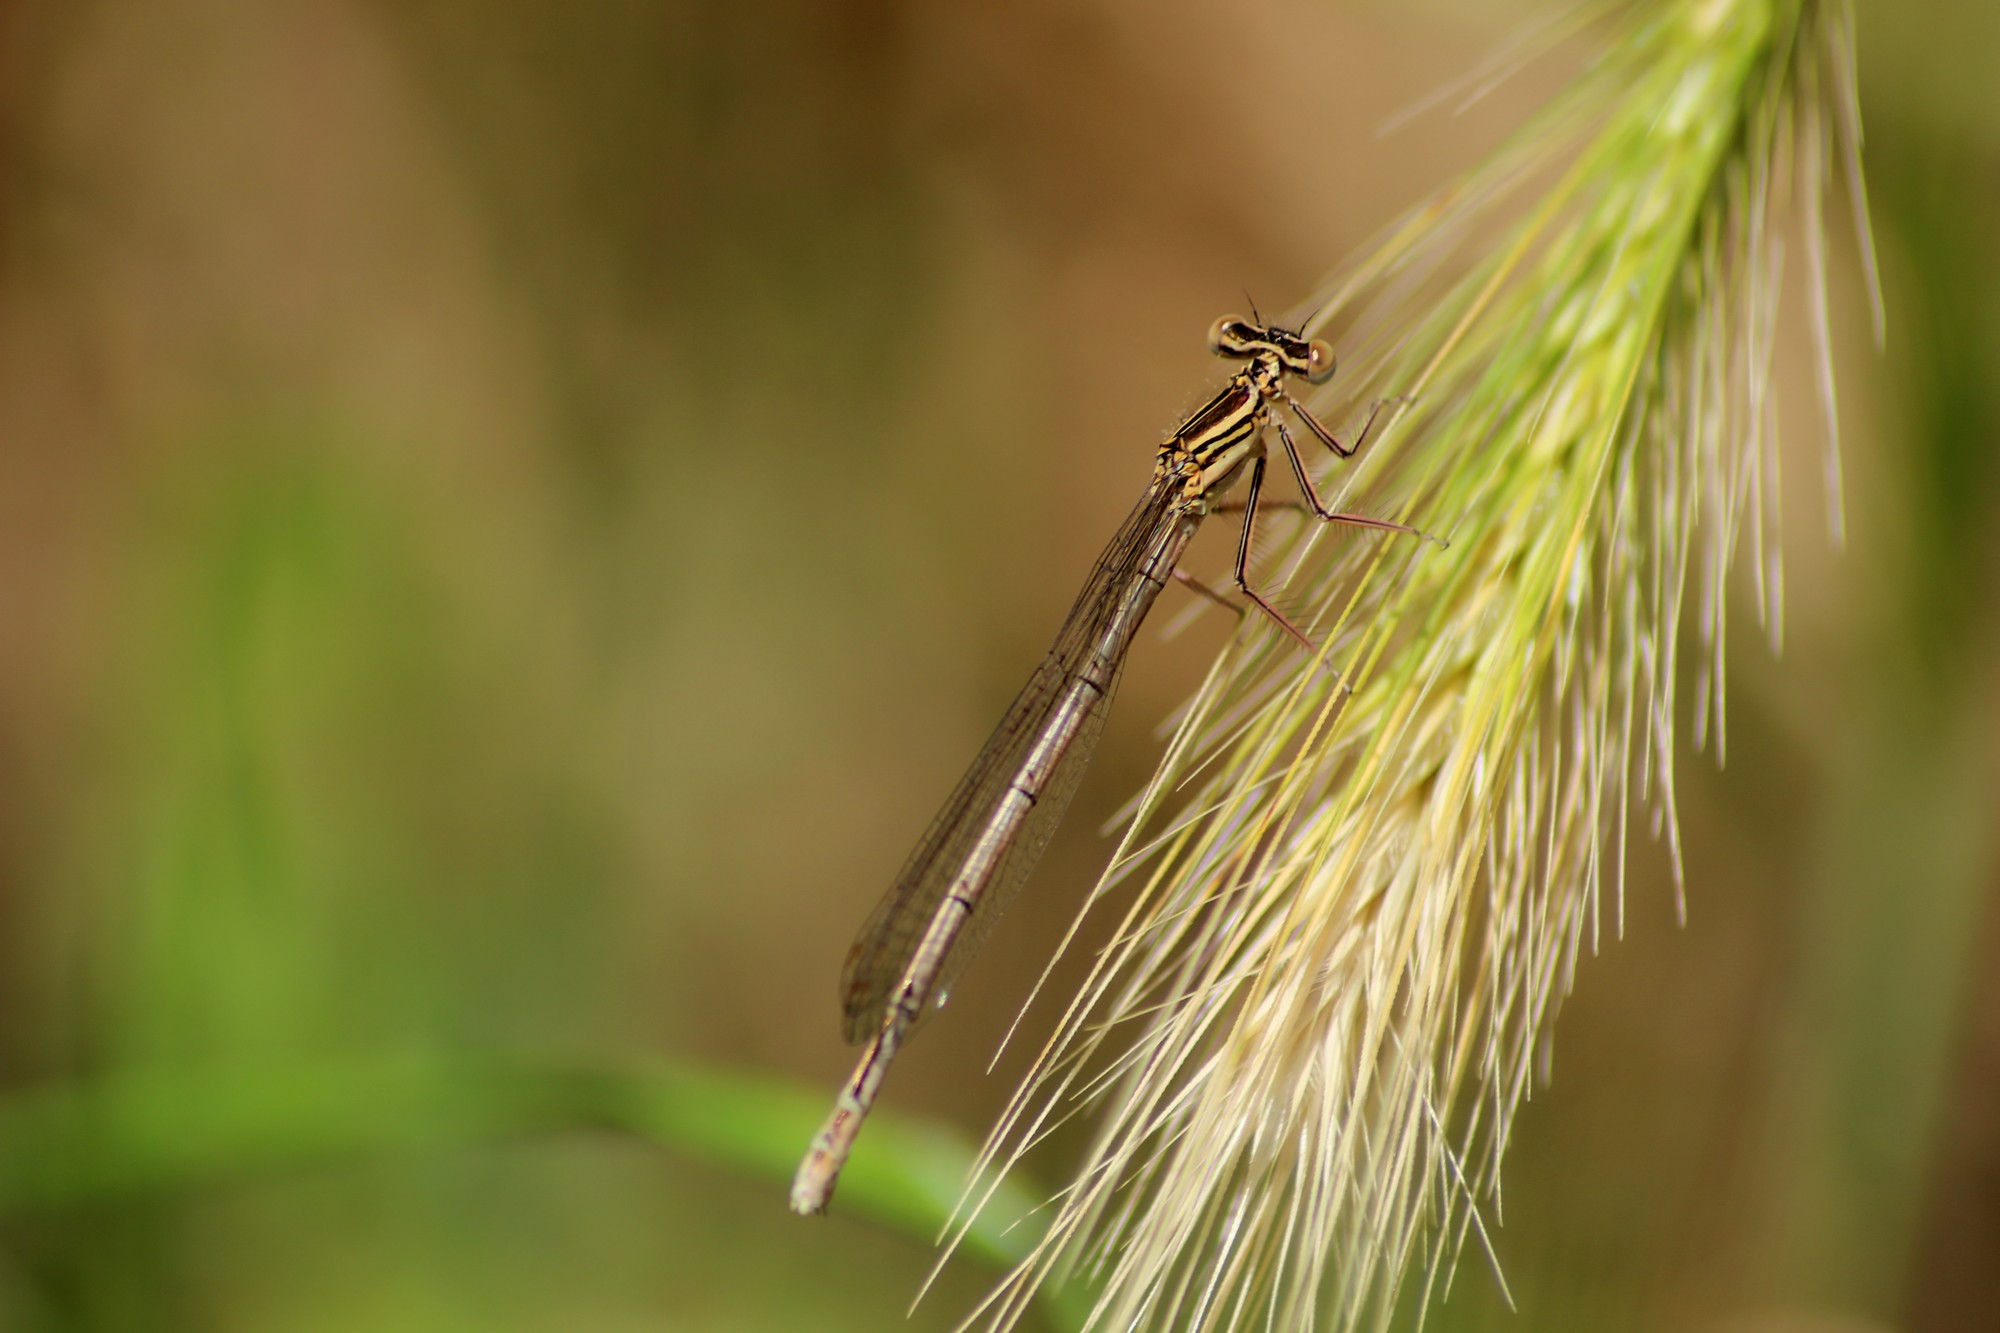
(512, 514)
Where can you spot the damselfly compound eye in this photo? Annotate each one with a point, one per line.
(1319, 361)
(1225, 336)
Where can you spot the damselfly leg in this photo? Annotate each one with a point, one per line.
(1243, 540)
(1200, 589)
(1253, 501)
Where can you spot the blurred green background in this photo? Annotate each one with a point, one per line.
(513, 514)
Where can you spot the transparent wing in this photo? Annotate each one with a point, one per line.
(982, 844)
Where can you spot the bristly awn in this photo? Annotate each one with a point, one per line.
(992, 830)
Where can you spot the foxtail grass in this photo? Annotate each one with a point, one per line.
(1357, 896)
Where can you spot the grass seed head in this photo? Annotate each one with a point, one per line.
(1359, 894)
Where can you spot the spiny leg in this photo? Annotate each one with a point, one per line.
(1236, 506)
(1326, 438)
(1319, 506)
(1200, 589)
(1243, 559)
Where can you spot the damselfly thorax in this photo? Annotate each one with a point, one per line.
(1208, 452)
(979, 848)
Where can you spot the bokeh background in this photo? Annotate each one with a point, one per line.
(512, 514)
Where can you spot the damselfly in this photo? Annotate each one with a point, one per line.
(992, 830)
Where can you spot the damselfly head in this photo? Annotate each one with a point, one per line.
(1234, 336)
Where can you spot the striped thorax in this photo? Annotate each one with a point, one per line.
(1209, 450)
